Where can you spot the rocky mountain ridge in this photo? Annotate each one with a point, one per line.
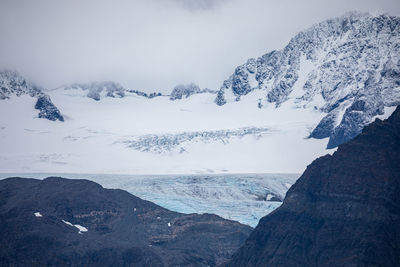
(343, 211)
(11, 83)
(99, 90)
(186, 90)
(346, 67)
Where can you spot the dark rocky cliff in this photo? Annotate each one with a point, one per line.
(62, 222)
(343, 211)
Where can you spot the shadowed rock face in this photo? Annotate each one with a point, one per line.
(47, 109)
(343, 211)
(13, 84)
(42, 222)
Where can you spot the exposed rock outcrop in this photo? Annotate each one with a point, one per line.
(343, 211)
(65, 222)
(13, 84)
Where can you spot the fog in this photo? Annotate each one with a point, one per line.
(152, 45)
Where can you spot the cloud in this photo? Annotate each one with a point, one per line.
(198, 5)
(153, 45)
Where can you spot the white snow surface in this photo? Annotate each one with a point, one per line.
(80, 227)
(70, 224)
(326, 70)
(192, 135)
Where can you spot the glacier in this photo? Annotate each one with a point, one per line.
(241, 197)
(95, 136)
(178, 142)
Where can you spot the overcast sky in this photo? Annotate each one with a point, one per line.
(152, 45)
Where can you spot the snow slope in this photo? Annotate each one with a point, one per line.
(96, 136)
(329, 81)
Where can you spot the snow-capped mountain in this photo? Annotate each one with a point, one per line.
(184, 91)
(14, 85)
(348, 68)
(11, 83)
(140, 93)
(100, 90)
(329, 81)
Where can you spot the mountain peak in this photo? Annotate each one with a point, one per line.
(186, 90)
(13, 84)
(98, 90)
(347, 68)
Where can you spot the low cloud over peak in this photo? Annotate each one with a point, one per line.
(153, 45)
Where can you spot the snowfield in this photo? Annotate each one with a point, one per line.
(328, 82)
(97, 136)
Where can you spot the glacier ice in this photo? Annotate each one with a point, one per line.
(240, 197)
(178, 142)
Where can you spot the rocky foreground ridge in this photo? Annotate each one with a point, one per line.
(65, 222)
(343, 211)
